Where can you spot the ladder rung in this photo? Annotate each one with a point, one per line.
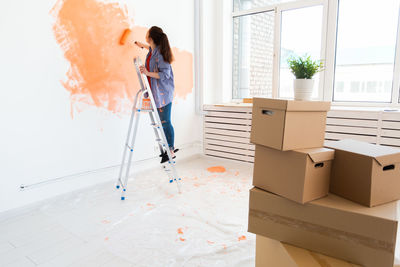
(161, 142)
(130, 148)
(144, 110)
(155, 125)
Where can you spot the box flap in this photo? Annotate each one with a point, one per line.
(318, 154)
(384, 155)
(291, 105)
(270, 103)
(388, 159)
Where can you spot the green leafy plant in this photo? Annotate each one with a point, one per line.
(304, 67)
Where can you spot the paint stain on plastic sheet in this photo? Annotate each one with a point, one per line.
(241, 238)
(101, 71)
(217, 169)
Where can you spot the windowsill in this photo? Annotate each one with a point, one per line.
(333, 107)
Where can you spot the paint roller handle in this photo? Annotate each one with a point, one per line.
(141, 45)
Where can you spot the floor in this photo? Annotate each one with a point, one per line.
(205, 225)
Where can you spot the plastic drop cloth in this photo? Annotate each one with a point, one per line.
(205, 225)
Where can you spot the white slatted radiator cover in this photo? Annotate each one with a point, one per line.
(227, 129)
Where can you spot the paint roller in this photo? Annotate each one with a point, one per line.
(125, 36)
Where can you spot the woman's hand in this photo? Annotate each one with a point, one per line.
(143, 70)
(141, 45)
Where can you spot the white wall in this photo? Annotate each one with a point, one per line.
(217, 50)
(39, 140)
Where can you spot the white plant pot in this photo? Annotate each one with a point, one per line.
(303, 89)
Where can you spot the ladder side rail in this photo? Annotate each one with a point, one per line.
(158, 121)
(133, 115)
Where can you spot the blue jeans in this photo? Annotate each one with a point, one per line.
(165, 117)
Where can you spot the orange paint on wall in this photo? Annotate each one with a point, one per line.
(101, 71)
(183, 72)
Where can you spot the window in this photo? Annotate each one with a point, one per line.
(253, 55)
(249, 4)
(365, 50)
(340, 86)
(357, 41)
(300, 35)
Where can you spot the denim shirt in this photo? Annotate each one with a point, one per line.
(163, 88)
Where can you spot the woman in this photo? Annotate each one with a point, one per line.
(161, 80)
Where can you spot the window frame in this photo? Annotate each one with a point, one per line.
(328, 50)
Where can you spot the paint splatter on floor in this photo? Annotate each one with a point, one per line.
(101, 71)
(218, 169)
(241, 238)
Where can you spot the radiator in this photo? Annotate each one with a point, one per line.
(227, 129)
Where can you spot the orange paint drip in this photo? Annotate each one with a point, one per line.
(180, 231)
(241, 238)
(101, 71)
(219, 169)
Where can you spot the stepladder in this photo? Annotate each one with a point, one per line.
(144, 103)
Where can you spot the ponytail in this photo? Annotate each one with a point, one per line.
(161, 40)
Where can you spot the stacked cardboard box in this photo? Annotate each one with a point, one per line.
(293, 173)
(290, 159)
(270, 252)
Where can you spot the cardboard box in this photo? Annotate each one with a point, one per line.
(300, 175)
(272, 253)
(365, 173)
(331, 225)
(288, 124)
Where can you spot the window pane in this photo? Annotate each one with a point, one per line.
(249, 4)
(366, 41)
(300, 35)
(253, 55)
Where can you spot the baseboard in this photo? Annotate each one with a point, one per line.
(34, 196)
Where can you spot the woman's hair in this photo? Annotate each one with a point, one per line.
(161, 40)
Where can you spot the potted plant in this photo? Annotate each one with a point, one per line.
(304, 68)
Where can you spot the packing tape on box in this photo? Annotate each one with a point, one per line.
(323, 230)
